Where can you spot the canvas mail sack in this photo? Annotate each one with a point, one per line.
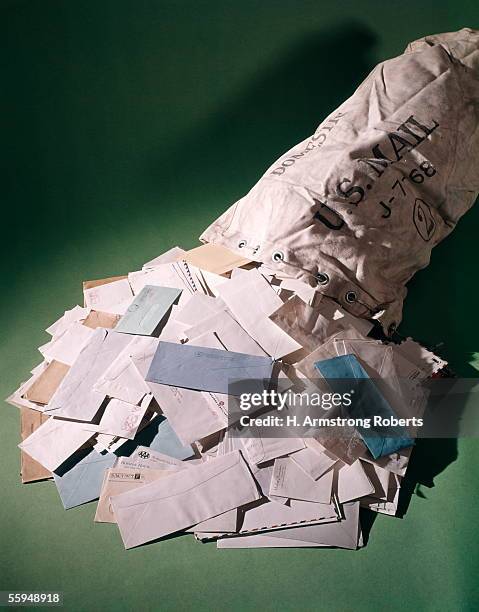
(357, 207)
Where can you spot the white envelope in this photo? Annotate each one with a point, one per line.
(110, 444)
(291, 482)
(144, 457)
(172, 254)
(341, 534)
(75, 398)
(210, 281)
(267, 515)
(251, 300)
(54, 442)
(390, 505)
(112, 297)
(353, 482)
(229, 331)
(16, 399)
(121, 418)
(224, 523)
(166, 275)
(77, 313)
(425, 361)
(122, 379)
(260, 449)
(396, 462)
(67, 346)
(379, 477)
(184, 499)
(198, 307)
(312, 462)
(173, 330)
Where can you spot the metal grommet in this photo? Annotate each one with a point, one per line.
(350, 297)
(322, 278)
(392, 329)
(277, 256)
(242, 244)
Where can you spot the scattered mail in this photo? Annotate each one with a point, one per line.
(131, 406)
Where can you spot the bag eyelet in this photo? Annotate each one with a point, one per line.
(350, 297)
(242, 244)
(322, 278)
(277, 256)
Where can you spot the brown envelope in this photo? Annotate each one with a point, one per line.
(47, 383)
(214, 258)
(31, 470)
(101, 319)
(101, 281)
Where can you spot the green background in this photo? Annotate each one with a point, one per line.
(128, 126)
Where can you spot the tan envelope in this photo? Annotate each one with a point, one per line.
(102, 281)
(120, 480)
(47, 383)
(214, 258)
(97, 318)
(31, 470)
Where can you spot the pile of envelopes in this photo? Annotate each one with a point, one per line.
(129, 407)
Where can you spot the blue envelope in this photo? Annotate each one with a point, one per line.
(147, 310)
(208, 369)
(367, 403)
(167, 442)
(158, 436)
(82, 483)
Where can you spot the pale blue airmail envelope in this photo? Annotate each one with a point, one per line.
(82, 483)
(147, 310)
(208, 369)
(368, 403)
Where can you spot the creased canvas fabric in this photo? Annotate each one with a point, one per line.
(357, 207)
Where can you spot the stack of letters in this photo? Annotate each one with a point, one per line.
(130, 407)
